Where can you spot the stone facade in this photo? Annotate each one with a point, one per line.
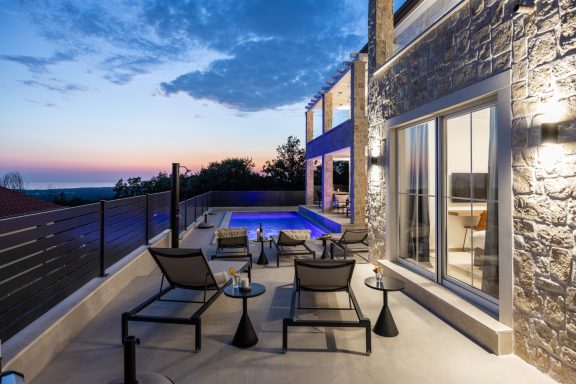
(481, 39)
(358, 179)
(543, 78)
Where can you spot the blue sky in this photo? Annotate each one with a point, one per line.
(98, 90)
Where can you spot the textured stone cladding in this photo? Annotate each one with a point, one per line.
(481, 39)
(544, 188)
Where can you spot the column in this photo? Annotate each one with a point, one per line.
(358, 171)
(326, 112)
(327, 182)
(309, 182)
(309, 125)
(380, 33)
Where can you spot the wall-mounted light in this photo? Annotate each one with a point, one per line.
(523, 8)
(373, 160)
(549, 133)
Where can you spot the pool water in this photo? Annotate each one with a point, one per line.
(273, 222)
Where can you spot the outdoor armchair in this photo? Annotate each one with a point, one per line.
(232, 243)
(340, 203)
(325, 276)
(292, 242)
(185, 269)
(352, 241)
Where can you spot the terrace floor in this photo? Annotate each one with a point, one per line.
(427, 350)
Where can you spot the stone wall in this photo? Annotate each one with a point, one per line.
(481, 39)
(543, 82)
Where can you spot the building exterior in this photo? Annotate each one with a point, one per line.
(340, 112)
(465, 202)
(14, 203)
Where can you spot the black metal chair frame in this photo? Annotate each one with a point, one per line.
(195, 319)
(281, 242)
(363, 322)
(345, 245)
(235, 242)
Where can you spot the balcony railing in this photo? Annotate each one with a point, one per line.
(45, 257)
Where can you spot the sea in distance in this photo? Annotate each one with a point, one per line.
(86, 190)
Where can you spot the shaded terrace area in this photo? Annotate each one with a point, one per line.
(426, 350)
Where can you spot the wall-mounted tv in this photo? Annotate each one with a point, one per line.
(469, 185)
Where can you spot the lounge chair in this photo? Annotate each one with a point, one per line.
(340, 203)
(187, 269)
(352, 241)
(232, 243)
(324, 276)
(293, 238)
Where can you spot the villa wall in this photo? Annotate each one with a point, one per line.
(481, 39)
(544, 81)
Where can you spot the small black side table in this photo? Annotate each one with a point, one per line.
(324, 239)
(262, 259)
(245, 336)
(385, 325)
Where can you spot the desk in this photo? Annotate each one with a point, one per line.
(466, 211)
(245, 336)
(385, 325)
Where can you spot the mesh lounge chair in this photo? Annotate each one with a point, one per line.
(232, 243)
(325, 276)
(352, 241)
(292, 239)
(187, 269)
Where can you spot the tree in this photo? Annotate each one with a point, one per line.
(287, 169)
(233, 174)
(135, 186)
(13, 180)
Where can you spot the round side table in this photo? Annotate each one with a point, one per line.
(385, 325)
(245, 336)
(262, 259)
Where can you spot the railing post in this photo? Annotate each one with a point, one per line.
(147, 221)
(102, 272)
(175, 205)
(185, 214)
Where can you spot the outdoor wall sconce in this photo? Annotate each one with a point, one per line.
(523, 8)
(549, 133)
(374, 160)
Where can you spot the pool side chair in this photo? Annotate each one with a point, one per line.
(352, 241)
(185, 269)
(232, 243)
(295, 239)
(325, 276)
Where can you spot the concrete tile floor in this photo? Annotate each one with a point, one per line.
(426, 351)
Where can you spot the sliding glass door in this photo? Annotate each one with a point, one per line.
(471, 199)
(452, 157)
(417, 194)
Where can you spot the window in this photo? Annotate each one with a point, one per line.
(453, 157)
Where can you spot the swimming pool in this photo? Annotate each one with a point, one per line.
(273, 222)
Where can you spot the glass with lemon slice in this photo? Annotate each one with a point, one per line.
(235, 277)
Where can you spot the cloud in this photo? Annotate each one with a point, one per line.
(56, 85)
(247, 55)
(39, 65)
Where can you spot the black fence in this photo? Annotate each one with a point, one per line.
(46, 256)
(257, 198)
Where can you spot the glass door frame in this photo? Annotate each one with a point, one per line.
(440, 275)
(482, 299)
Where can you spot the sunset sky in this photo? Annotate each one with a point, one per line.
(93, 91)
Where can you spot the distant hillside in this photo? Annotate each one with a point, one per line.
(91, 194)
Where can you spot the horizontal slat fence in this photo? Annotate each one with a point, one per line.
(158, 213)
(125, 227)
(45, 257)
(257, 198)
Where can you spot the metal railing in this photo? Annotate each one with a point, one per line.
(45, 257)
